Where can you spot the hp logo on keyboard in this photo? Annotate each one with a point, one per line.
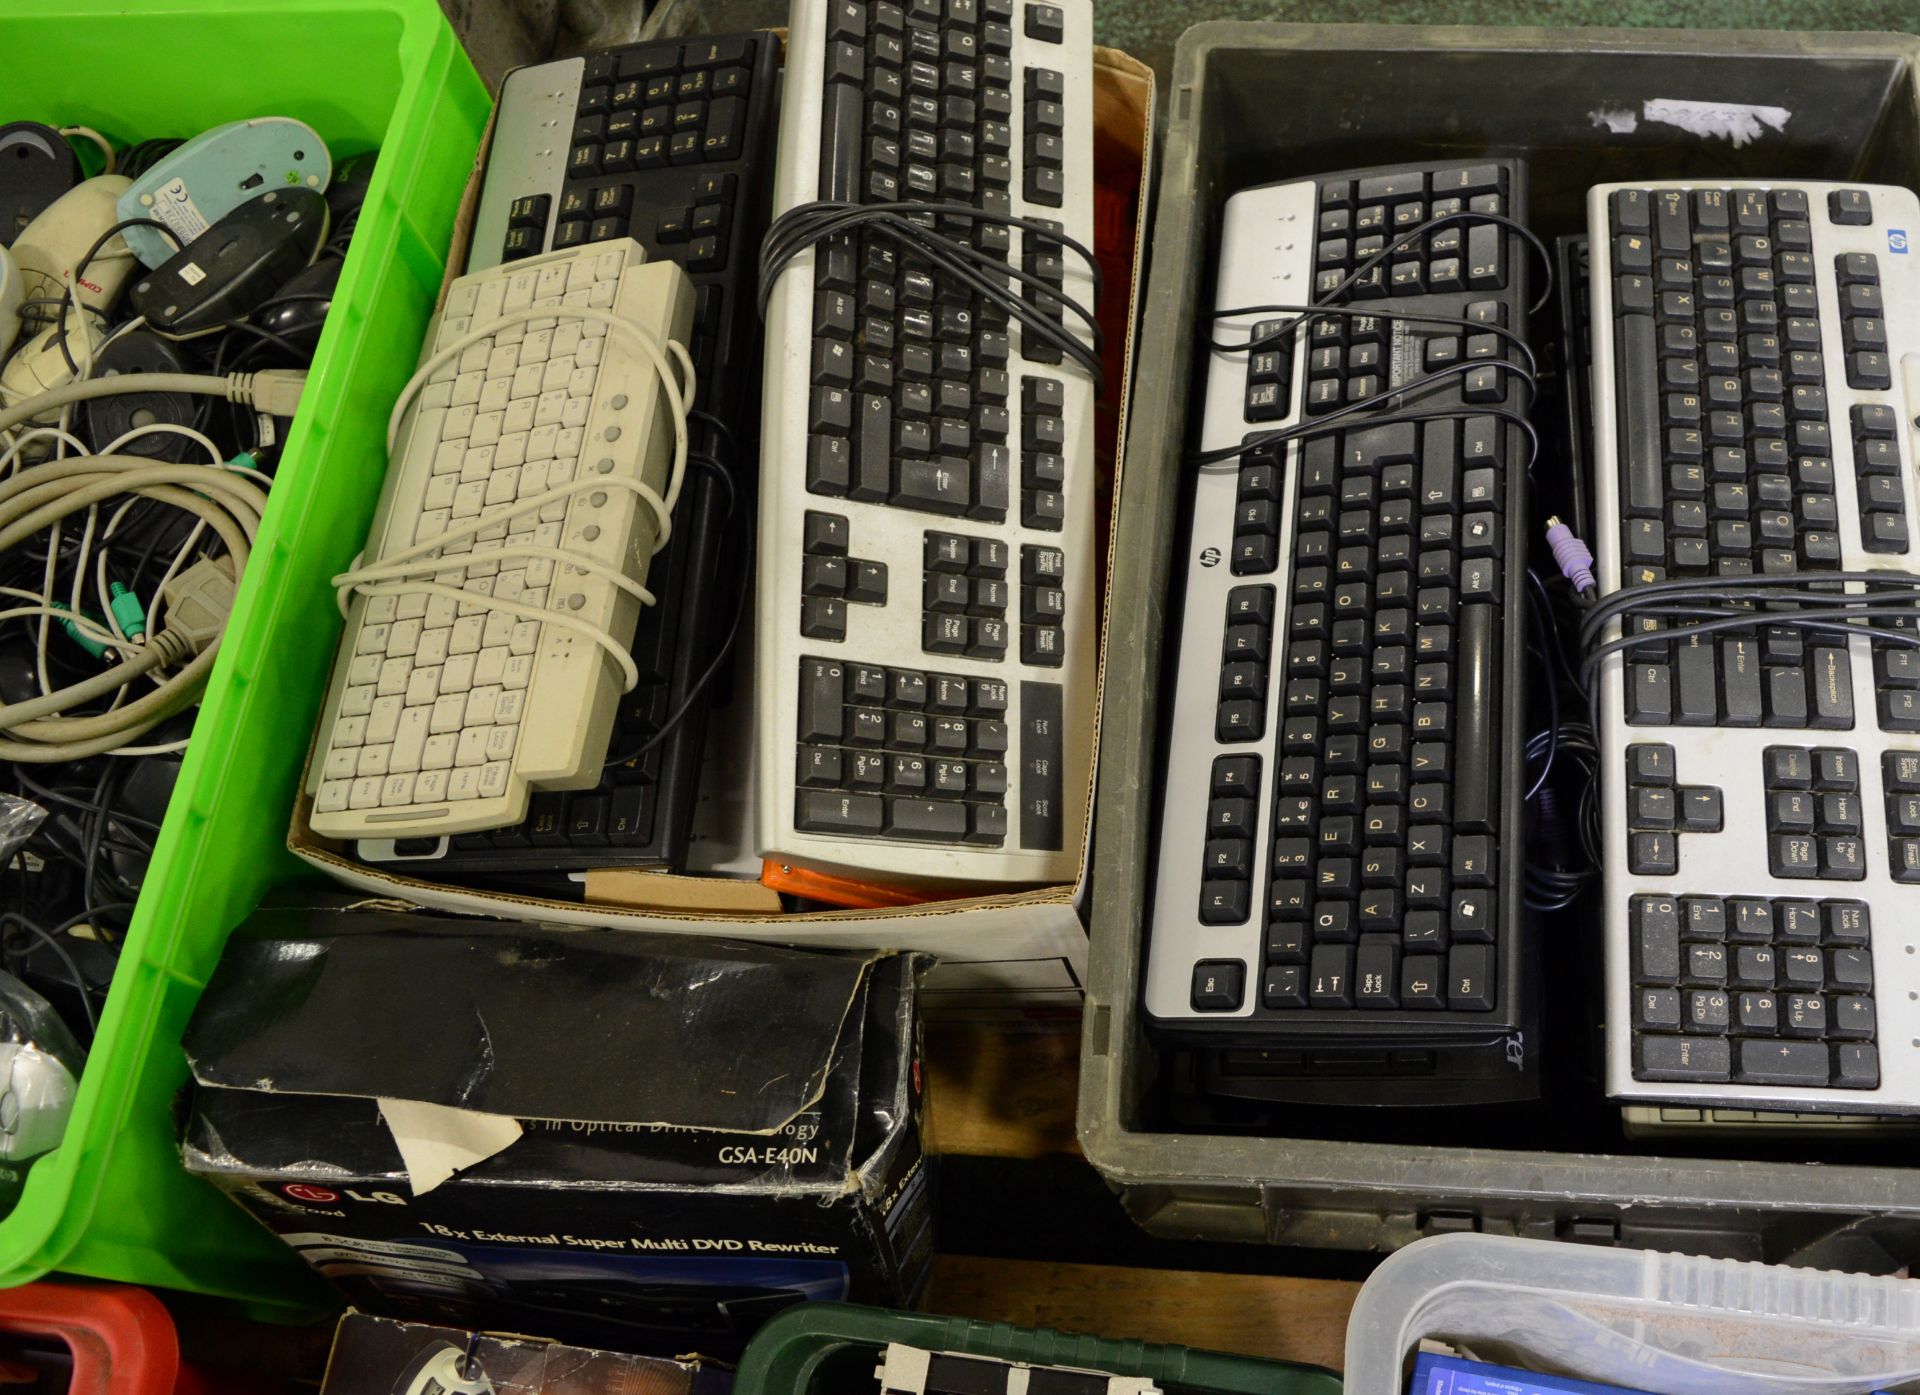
(1897, 240)
(1209, 556)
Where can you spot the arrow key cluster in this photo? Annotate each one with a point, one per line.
(1660, 809)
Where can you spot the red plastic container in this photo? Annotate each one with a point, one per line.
(118, 1339)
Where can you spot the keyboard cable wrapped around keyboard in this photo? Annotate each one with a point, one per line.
(411, 568)
(1037, 307)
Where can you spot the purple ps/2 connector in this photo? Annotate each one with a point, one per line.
(1576, 562)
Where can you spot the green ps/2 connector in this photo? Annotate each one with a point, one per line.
(128, 613)
(79, 636)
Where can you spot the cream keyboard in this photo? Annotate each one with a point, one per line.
(542, 451)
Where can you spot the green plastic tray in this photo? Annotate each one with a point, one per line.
(832, 1349)
(113, 1201)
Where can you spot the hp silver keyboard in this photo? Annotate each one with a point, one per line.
(925, 656)
(1339, 854)
(531, 452)
(1755, 387)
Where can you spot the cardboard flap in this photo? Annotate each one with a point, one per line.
(602, 1027)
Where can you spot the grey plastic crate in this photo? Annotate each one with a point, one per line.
(1252, 103)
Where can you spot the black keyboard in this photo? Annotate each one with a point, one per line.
(672, 145)
(1340, 855)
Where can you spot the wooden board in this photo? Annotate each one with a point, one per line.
(1251, 1314)
(993, 1094)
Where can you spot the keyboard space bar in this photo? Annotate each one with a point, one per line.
(1476, 791)
(1638, 375)
(840, 143)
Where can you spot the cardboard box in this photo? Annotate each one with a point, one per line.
(637, 1141)
(379, 1356)
(1018, 954)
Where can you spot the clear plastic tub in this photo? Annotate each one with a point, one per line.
(1677, 1324)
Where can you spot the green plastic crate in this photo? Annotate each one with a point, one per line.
(833, 1348)
(113, 1201)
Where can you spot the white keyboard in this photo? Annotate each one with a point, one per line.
(925, 657)
(444, 712)
(1756, 373)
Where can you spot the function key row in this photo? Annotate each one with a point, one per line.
(1878, 480)
(1863, 321)
(1246, 651)
(1043, 441)
(1256, 519)
(1226, 887)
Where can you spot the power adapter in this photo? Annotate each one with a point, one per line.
(37, 166)
(235, 266)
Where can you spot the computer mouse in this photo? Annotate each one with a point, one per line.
(144, 794)
(352, 177)
(195, 186)
(37, 166)
(235, 266)
(299, 310)
(51, 246)
(442, 1369)
(110, 418)
(40, 365)
(10, 298)
(36, 1100)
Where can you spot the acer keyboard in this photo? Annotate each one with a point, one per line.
(670, 144)
(925, 656)
(489, 620)
(1337, 885)
(1761, 734)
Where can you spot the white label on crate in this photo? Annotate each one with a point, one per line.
(1731, 121)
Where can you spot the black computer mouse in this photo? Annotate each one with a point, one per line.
(299, 310)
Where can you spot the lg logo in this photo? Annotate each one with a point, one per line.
(325, 1196)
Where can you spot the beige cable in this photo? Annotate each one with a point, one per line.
(36, 498)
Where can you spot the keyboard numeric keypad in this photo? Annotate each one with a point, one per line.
(1754, 990)
(901, 753)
